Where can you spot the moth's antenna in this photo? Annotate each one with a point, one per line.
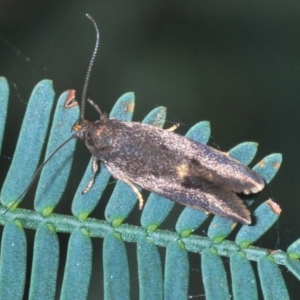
(85, 86)
(38, 171)
(89, 70)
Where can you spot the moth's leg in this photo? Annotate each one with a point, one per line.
(173, 128)
(140, 197)
(94, 171)
(95, 106)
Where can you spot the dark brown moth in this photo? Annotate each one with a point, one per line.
(164, 162)
(167, 164)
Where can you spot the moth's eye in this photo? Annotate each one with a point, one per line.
(77, 127)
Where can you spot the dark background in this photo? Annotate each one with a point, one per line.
(234, 64)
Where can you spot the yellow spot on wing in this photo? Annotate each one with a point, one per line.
(183, 170)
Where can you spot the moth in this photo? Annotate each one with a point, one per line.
(167, 163)
(163, 162)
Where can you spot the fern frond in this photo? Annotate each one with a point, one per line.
(115, 232)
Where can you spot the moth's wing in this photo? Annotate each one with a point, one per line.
(213, 199)
(178, 169)
(214, 166)
(143, 148)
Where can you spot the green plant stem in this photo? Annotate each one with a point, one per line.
(130, 233)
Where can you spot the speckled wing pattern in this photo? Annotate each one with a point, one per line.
(175, 167)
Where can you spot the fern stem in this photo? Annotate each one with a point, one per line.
(130, 233)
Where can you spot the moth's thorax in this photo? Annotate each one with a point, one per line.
(99, 136)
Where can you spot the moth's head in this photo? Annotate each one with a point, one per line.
(81, 128)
